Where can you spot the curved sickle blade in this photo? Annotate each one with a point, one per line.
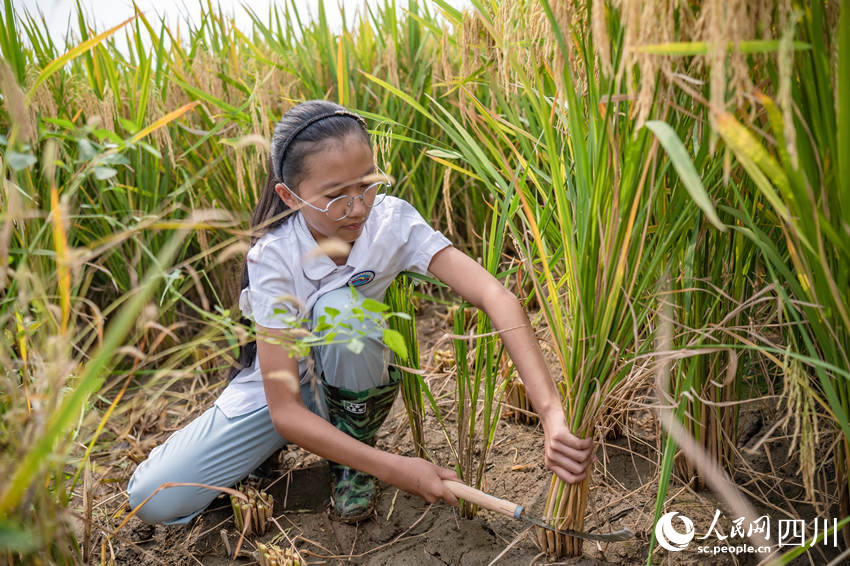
(622, 534)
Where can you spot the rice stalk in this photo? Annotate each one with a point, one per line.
(476, 426)
(273, 555)
(399, 299)
(252, 514)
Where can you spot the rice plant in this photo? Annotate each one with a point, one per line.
(399, 299)
(476, 427)
(585, 186)
(799, 171)
(583, 144)
(785, 174)
(105, 152)
(60, 347)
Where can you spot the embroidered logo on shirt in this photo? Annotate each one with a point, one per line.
(362, 278)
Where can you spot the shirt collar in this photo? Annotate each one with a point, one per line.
(320, 266)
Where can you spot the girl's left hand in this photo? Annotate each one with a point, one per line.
(565, 453)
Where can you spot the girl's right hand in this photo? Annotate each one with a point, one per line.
(421, 477)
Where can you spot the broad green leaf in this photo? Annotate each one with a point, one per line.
(685, 167)
(332, 312)
(18, 161)
(322, 326)
(395, 341)
(129, 125)
(114, 159)
(374, 306)
(103, 173)
(15, 538)
(103, 134)
(85, 150)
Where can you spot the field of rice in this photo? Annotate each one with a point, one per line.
(665, 186)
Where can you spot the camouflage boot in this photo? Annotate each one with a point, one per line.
(358, 414)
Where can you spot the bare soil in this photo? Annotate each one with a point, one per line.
(407, 531)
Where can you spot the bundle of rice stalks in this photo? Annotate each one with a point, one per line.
(517, 407)
(273, 555)
(252, 516)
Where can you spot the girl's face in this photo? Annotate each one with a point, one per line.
(337, 166)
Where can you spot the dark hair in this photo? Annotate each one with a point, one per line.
(304, 130)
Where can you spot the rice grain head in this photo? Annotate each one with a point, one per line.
(601, 40)
(476, 50)
(389, 59)
(799, 401)
(161, 136)
(656, 26)
(10, 204)
(447, 200)
(722, 22)
(445, 58)
(42, 100)
(15, 103)
(107, 108)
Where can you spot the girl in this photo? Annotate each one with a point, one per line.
(323, 168)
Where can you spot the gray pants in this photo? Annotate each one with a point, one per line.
(216, 450)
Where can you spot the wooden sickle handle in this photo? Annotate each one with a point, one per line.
(485, 500)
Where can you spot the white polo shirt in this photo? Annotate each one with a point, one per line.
(395, 238)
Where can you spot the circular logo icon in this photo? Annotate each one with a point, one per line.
(362, 278)
(670, 538)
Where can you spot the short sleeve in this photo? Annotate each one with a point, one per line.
(269, 300)
(422, 242)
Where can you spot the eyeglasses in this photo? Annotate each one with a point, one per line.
(341, 206)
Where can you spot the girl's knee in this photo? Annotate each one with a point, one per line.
(339, 365)
(342, 303)
(138, 491)
(169, 504)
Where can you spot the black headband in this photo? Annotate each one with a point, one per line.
(310, 122)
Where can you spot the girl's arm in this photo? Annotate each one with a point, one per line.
(565, 454)
(297, 424)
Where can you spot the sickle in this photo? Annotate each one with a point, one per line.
(516, 511)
